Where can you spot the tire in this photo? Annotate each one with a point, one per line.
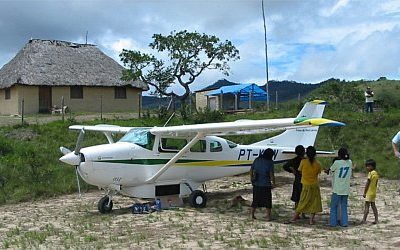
(103, 206)
(198, 199)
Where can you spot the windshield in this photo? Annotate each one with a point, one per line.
(231, 144)
(139, 136)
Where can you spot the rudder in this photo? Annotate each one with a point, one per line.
(299, 136)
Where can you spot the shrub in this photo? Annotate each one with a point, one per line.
(207, 116)
(5, 146)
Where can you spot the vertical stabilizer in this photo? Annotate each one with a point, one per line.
(299, 136)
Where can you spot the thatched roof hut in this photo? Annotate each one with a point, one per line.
(60, 63)
(46, 73)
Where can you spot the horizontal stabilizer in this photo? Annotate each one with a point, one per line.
(328, 154)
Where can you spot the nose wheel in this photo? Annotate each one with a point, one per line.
(198, 199)
(105, 205)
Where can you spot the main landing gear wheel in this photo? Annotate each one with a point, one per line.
(105, 205)
(198, 199)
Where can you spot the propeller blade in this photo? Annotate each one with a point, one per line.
(79, 141)
(77, 180)
(65, 150)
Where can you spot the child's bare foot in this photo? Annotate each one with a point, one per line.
(253, 217)
(375, 222)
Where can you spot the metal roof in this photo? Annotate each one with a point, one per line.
(243, 90)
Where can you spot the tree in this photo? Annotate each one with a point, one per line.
(189, 55)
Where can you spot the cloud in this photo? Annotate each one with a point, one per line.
(366, 59)
(327, 12)
(307, 40)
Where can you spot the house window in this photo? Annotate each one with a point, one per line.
(120, 93)
(7, 93)
(76, 92)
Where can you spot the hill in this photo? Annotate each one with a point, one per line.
(153, 102)
(289, 90)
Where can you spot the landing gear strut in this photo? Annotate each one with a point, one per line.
(198, 199)
(105, 205)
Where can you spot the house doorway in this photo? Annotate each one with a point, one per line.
(212, 103)
(44, 99)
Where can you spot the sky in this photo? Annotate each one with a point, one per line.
(308, 40)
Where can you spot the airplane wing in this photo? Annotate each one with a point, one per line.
(242, 127)
(102, 128)
(107, 130)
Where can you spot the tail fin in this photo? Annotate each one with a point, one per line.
(299, 136)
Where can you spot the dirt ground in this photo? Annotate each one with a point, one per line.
(70, 222)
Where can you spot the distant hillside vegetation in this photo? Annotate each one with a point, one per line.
(153, 102)
(289, 90)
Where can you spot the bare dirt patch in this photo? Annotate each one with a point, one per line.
(70, 222)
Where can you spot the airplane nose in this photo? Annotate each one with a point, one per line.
(71, 159)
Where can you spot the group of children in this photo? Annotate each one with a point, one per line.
(306, 190)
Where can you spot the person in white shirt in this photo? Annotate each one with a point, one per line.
(395, 146)
(341, 171)
(369, 100)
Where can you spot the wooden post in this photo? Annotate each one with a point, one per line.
(236, 102)
(173, 103)
(250, 100)
(190, 103)
(276, 99)
(22, 110)
(62, 107)
(101, 107)
(140, 104)
(221, 105)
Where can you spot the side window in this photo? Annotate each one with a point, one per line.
(171, 144)
(215, 146)
(120, 93)
(200, 146)
(7, 93)
(76, 92)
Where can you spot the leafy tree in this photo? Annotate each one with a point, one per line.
(189, 55)
(343, 94)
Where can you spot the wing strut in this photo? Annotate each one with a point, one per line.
(175, 158)
(109, 137)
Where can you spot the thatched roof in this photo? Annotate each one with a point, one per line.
(59, 63)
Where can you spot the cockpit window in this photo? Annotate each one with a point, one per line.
(172, 144)
(215, 146)
(231, 144)
(139, 136)
(200, 146)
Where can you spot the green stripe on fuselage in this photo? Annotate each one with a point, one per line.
(149, 161)
(182, 162)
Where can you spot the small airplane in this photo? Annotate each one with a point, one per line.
(148, 162)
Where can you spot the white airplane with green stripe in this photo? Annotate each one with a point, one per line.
(149, 162)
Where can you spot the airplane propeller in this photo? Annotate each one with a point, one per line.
(79, 142)
(75, 158)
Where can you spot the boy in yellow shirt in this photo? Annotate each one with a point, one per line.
(370, 190)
